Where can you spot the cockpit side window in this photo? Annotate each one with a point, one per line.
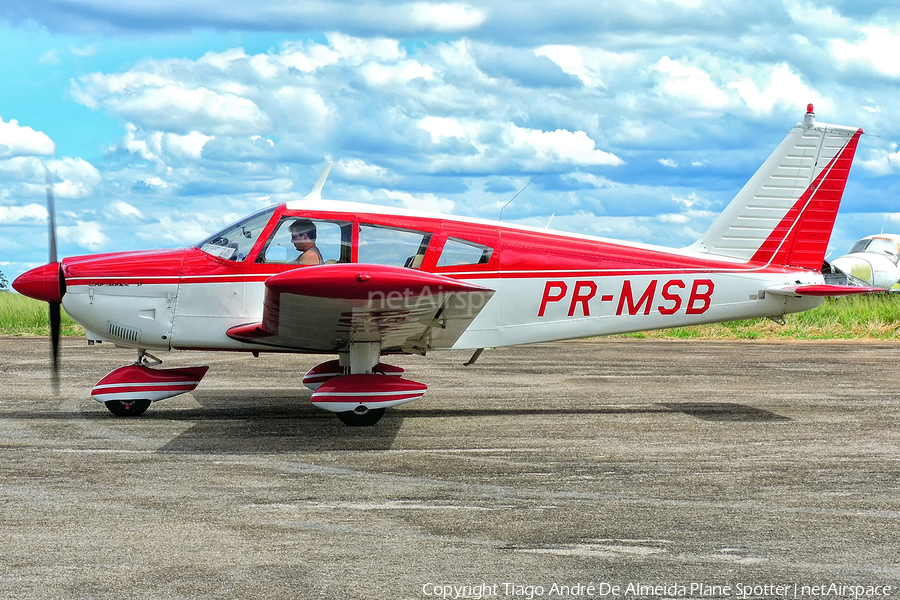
(298, 239)
(236, 241)
(382, 245)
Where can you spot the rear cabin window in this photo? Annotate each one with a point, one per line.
(459, 252)
(392, 246)
(327, 241)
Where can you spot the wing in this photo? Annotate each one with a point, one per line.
(325, 308)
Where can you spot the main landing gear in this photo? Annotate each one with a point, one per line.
(361, 416)
(358, 388)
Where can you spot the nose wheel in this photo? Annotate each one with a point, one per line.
(127, 408)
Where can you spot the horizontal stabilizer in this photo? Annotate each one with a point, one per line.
(822, 290)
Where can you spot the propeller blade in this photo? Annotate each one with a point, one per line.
(51, 214)
(55, 319)
(55, 316)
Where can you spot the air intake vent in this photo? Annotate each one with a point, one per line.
(123, 332)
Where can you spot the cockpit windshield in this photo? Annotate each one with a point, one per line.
(235, 241)
(860, 246)
(878, 245)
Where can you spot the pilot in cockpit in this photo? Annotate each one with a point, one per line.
(303, 236)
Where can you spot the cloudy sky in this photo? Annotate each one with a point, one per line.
(161, 121)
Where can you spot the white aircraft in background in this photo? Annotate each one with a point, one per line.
(872, 261)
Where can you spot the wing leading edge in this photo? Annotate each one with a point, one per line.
(326, 308)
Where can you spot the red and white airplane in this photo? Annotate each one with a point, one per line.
(365, 282)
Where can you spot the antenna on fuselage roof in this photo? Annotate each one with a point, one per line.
(517, 194)
(553, 214)
(316, 192)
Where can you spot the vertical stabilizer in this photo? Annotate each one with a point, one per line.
(785, 214)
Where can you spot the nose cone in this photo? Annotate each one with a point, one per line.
(41, 283)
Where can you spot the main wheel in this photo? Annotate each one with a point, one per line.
(127, 408)
(364, 419)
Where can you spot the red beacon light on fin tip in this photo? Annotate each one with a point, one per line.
(809, 120)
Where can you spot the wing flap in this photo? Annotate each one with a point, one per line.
(325, 308)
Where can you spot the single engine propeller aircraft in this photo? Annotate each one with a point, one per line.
(364, 282)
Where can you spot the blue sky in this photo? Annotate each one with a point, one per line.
(163, 121)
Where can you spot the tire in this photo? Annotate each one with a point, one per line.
(366, 419)
(131, 408)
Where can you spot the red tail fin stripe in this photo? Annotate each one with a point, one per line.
(801, 238)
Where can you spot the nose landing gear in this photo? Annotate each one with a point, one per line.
(129, 391)
(127, 408)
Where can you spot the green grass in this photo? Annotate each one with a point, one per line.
(872, 317)
(20, 315)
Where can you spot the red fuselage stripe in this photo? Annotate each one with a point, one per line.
(544, 274)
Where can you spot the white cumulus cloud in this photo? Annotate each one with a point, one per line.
(588, 64)
(691, 84)
(572, 147)
(781, 87)
(878, 49)
(173, 107)
(402, 72)
(189, 146)
(78, 177)
(882, 161)
(19, 140)
(441, 127)
(123, 209)
(446, 17)
(359, 170)
(87, 234)
(22, 214)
